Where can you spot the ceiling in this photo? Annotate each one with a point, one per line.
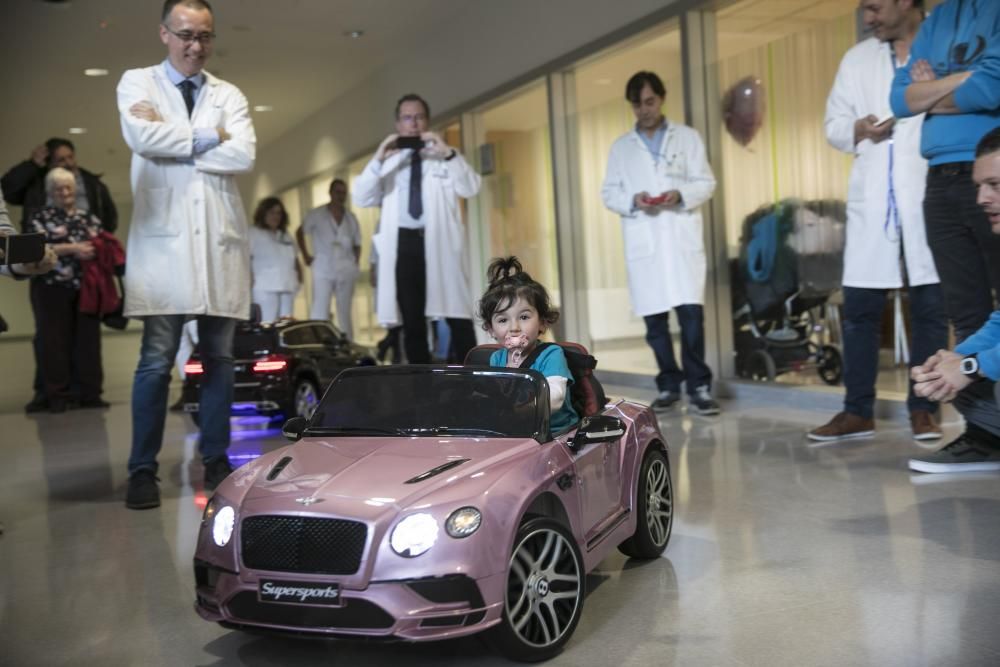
(292, 55)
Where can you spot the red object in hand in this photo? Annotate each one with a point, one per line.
(656, 201)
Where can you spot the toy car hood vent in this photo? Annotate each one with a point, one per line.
(444, 467)
(278, 467)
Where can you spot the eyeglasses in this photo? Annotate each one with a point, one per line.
(189, 37)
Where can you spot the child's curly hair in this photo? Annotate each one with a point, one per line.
(507, 282)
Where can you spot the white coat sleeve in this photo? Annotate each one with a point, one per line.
(614, 191)
(150, 139)
(463, 177)
(557, 390)
(700, 182)
(235, 155)
(367, 190)
(841, 112)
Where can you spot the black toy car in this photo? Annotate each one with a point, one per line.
(280, 369)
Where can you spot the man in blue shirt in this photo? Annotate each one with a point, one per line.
(954, 76)
(969, 375)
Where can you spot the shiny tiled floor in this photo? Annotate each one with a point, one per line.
(782, 553)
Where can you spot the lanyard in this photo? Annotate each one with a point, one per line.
(892, 227)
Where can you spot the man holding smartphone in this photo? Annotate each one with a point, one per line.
(416, 178)
(657, 179)
(885, 220)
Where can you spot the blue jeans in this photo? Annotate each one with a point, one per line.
(696, 372)
(161, 335)
(862, 328)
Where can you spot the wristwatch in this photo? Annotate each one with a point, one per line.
(970, 367)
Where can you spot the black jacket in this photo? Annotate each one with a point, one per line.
(24, 185)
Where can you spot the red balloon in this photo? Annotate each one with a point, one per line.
(743, 109)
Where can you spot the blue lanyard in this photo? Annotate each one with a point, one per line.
(892, 208)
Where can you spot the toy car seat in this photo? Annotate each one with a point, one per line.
(587, 395)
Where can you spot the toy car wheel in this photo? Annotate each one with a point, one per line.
(654, 509)
(831, 364)
(545, 590)
(306, 398)
(761, 367)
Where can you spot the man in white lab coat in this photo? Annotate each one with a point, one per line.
(885, 220)
(420, 242)
(336, 243)
(657, 178)
(188, 253)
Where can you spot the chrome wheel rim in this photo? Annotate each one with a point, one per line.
(659, 502)
(305, 400)
(543, 588)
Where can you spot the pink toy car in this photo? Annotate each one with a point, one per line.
(428, 502)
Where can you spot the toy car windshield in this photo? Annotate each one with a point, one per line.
(435, 401)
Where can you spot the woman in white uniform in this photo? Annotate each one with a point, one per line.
(274, 263)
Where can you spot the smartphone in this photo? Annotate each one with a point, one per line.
(416, 143)
(23, 248)
(884, 120)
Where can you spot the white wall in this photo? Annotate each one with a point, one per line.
(484, 48)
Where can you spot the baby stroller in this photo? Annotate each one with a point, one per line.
(791, 261)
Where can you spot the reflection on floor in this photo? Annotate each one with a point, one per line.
(782, 554)
(634, 356)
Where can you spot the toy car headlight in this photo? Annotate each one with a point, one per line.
(463, 522)
(222, 525)
(414, 535)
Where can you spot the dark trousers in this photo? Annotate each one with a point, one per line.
(70, 339)
(966, 253)
(979, 403)
(696, 372)
(863, 309)
(411, 295)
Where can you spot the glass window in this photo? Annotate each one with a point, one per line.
(784, 186)
(516, 199)
(300, 335)
(601, 116)
(366, 329)
(290, 198)
(325, 335)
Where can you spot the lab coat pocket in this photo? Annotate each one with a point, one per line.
(638, 236)
(234, 228)
(153, 213)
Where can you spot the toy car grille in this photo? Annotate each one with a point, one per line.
(302, 544)
(354, 614)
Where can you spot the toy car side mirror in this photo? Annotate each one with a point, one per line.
(294, 428)
(598, 428)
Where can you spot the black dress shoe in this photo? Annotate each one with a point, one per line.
(216, 470)
(57, 405)
(37, 404)
(143, 492)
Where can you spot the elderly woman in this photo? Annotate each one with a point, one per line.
(70, 338)
(273, 261)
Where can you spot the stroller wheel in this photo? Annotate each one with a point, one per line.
(831, 364)
(760, 366)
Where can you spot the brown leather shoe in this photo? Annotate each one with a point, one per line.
(844, 426)
(923, 425)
